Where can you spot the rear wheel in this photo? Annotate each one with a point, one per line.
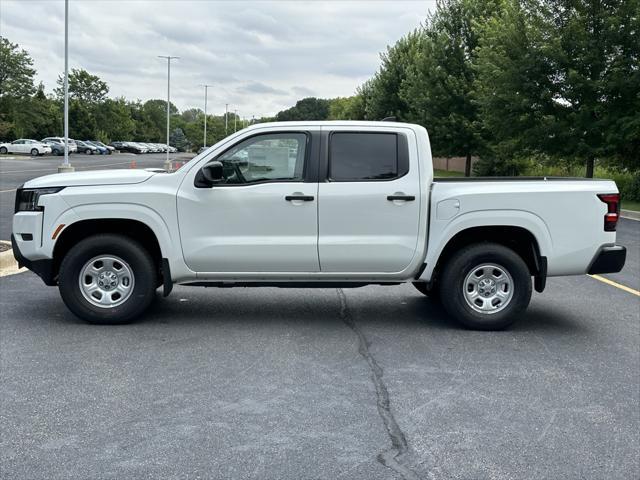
(485, 286)
(107, 279)
(34, 152)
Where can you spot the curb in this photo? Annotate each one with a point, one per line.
(8, 264)
(630, 214)
(6, 257)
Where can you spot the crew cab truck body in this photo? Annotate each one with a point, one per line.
(313, 204)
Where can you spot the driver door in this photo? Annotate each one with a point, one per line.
(19, 146)
(262, 216)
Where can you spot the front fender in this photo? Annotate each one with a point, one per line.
(169, 242)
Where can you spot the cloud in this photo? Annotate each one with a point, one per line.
(261, 56)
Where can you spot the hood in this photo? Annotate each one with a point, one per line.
(95, 177)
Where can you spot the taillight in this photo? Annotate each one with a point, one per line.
(613, 210)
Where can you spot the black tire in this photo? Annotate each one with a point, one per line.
(34, 152)
(461, 264)
(138, 259)
(88, 151)
(3, 150)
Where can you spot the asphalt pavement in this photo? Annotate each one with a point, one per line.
(367, 383)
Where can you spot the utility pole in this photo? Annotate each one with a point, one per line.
(235, 119)
(167, 162)
(204, 143)
(226, 118)
(66, 167)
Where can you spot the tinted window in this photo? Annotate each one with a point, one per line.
(274, 157)
(363, 156)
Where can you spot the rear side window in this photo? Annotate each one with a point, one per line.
(364, 156)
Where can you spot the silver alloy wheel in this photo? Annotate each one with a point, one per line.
(106, 281)
(488, 288)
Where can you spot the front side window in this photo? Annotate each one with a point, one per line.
(263, 158)
(360, 156)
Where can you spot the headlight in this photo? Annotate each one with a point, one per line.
(27, 198)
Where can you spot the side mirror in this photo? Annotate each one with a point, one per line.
(212, 172)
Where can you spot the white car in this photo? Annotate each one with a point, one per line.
(26, 145)
(313, 204)
(73, 148)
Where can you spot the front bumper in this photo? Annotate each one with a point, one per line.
(42, 268)
(608, 260)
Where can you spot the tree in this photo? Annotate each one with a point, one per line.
(114, 120)
(515, 87)
(440, 78)
(384, 97)
(560, 80)
(83, 86)
(17, 72)
(179, 140)
(598, 67)
(346, 108)
(310, 108)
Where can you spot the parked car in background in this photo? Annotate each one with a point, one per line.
(143, 148)
(101, 150)
(56, 148)
(26, 145)
(109, 148)
(86, 147)
(129, 147)
(73, 148)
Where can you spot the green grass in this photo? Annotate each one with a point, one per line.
(445, 173)
(631, 205)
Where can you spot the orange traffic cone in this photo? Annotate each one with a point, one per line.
(133, 164)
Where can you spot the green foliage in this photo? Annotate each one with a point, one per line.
(16, 72)
(383, 91)
(179, 140)
(310, 108)
(84, 87)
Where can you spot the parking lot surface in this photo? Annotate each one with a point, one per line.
(367, 383)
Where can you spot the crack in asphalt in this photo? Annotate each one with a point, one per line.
(393, 457)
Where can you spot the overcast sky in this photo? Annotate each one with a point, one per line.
(260, 56)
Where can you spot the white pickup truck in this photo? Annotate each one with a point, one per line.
(313, 204)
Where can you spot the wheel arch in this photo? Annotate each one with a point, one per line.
(131, 228)
(525, 233)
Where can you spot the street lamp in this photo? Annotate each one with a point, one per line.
(169, 58)
(66, 167)
(226, 118)
(235, 119)
(204, 143)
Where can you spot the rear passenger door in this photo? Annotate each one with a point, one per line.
(369, 200)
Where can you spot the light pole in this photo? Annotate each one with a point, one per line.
(169, 58)
(226, 118)
(66, 167)
(235, 119)
(204, 143)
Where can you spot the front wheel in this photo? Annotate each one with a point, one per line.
(3, 150)
(88, 151)
(485, 286)
(107, 279)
